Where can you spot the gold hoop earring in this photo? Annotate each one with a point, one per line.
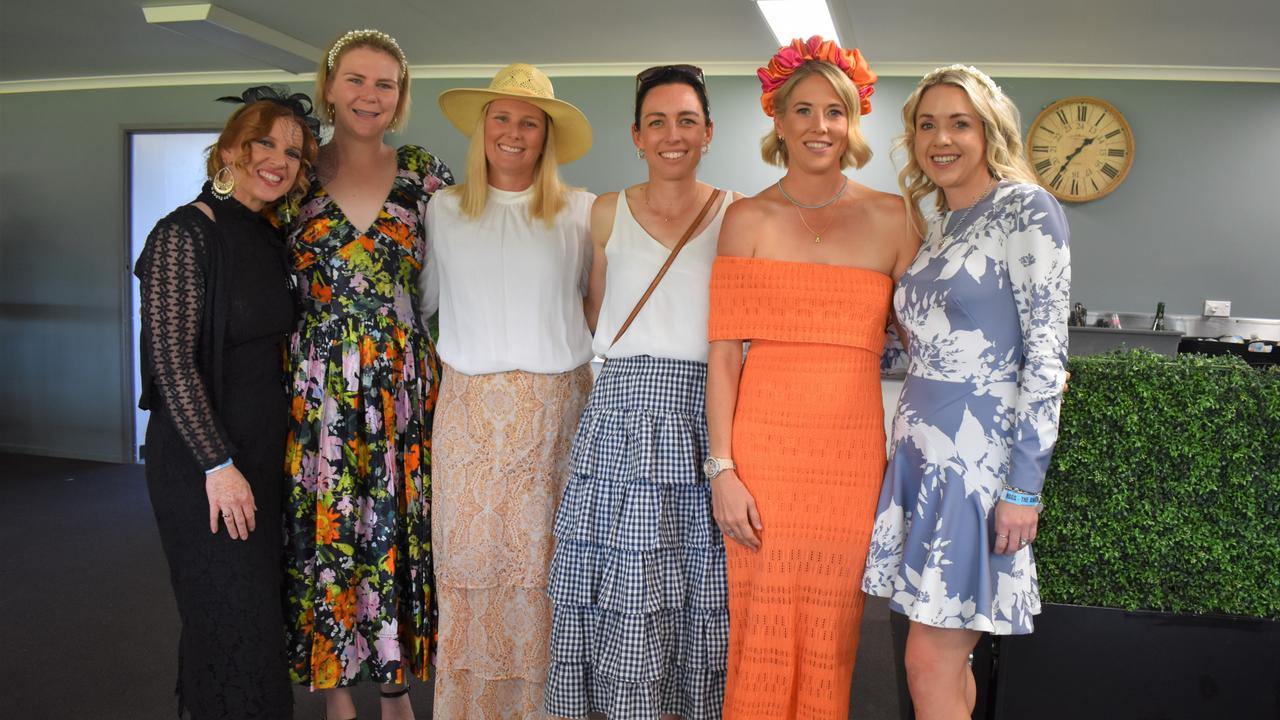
(223, 185)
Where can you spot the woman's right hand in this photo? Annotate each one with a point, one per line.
(231, 499)
(734, 509)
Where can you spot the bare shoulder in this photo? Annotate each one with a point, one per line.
(892, 223)
(742, 226)
(884, 212)
(747, 209)
(607, 202)
(883, 206)
(602, 213)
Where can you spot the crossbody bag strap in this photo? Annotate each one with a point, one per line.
(711, 201)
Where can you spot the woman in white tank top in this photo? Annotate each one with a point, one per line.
(637, 582)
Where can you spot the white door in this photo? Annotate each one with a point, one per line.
(166, 169)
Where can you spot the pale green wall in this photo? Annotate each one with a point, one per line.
(1194, 219)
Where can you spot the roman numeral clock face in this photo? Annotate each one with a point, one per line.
(1081, 147)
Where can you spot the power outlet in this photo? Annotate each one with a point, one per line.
(1217, 308)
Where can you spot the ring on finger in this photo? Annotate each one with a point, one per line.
(1003, 536)
(1023, 542)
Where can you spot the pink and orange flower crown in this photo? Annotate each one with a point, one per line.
(785, 62)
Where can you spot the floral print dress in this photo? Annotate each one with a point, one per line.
(984, 306)
(359, 603)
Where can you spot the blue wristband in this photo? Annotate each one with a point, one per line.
(1014, 496)
(224, 464)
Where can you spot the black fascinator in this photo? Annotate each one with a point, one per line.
(297, 103)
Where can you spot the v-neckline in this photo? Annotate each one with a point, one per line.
(382, 206)
(713, 213)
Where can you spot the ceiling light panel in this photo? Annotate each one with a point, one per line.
(790, 19)
(226, 29)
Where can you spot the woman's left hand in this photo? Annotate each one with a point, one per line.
(1014, 525)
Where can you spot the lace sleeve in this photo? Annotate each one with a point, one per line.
(172, 290)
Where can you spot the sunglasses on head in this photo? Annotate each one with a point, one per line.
(691, 71)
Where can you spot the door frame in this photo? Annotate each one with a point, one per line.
(129, 380)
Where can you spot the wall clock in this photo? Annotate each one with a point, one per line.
(1081, 148)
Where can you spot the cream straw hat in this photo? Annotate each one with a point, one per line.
(520, 81)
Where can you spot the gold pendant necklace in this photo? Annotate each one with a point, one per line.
(817, 235)
(656, 211)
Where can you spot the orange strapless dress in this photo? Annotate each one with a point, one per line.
(808, 439)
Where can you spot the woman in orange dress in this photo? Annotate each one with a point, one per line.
(804, 274)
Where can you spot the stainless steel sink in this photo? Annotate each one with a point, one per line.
(1093, 340)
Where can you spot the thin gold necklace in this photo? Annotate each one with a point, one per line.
(665, 218)
(817, 235)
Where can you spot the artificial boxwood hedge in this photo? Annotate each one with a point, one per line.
(1164, 491)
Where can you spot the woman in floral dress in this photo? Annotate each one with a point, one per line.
(984, 307)
(359, 595)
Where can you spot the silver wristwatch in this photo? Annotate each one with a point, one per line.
(713, 466)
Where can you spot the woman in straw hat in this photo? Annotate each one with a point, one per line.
(649, 641)
(805, 273)
(364, 381)
(508, 263)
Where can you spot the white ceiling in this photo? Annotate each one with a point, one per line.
(57, 39)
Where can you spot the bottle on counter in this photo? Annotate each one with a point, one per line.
(1078, 315)
(1158, 323)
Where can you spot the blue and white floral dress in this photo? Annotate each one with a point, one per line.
(985, 309)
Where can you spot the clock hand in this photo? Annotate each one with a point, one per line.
(1087, 142)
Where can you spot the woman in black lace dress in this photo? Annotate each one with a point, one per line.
(216, 310)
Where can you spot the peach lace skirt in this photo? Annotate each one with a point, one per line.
(501, 451)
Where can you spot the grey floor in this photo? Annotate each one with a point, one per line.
(89, 624)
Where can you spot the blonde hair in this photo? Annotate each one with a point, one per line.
(372, 40)
(550, 194)
(1006, 158)
(857, 152)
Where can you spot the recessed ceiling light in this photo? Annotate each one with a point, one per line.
(226, 29)
(790, 19)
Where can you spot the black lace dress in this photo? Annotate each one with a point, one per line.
(216, 311)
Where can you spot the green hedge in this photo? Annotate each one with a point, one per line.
(1164, 491)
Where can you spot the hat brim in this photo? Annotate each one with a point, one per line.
(463, 107)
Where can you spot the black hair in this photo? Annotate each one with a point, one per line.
(671, 75)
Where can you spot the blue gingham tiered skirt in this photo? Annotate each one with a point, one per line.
(640, 611)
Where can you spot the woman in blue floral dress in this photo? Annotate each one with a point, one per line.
(365, 375)
(984, 308)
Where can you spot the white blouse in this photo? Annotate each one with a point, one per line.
(673, 323)
(509, 289)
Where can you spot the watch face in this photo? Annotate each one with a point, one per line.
(710, 467)
(1081, 148)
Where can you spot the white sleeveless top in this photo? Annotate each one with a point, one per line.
(673, 323)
